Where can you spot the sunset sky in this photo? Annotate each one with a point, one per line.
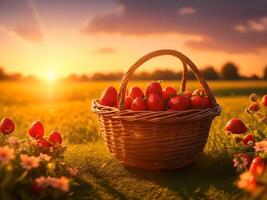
(85, 36)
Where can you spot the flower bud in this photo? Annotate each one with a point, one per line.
(254, 107)
(253, 97)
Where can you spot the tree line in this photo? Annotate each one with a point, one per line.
(228, 72)
(15, 76)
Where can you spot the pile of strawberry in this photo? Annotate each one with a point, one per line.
(36, 131)
(155, 98)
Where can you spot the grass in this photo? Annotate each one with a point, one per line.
(66, 107)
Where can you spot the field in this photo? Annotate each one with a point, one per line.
(66, 107)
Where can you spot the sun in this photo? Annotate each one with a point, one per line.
(50, 76)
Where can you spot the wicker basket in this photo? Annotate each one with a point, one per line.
(156, 140)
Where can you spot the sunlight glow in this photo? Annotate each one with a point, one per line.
(50, 76)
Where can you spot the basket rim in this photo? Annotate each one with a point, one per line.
(155, 116)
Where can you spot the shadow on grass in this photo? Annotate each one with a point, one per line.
(83, 190)
(102, 182)
(194, 180)
(211, 177)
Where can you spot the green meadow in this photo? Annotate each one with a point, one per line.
(66, 107)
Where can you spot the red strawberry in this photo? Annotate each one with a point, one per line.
(168, 92)
(36, 130)
(136, 92)
(153, 87)
(235, 126)
(155, 102)
(55, 137)
(199, 92)
(179, 102)
(138, 104)
(248, 140)
(264, 100)
(36, 189)
(207, 102)
(257, 166)
(44, 143)
(109, 97)
(187, 93)
(197, 102)
(128, 102)
(7, 126)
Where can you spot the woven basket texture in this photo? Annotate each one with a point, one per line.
(156, 140)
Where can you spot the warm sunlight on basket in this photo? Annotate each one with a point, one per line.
(156, 140)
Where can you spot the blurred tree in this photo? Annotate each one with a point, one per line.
(164, 75)
(265, 73)
(84, 77)
(15, 77)
(72, 77)
(191, 75)
(108, 76)
(141, 76)
(254, 77)
(3, 75)
(210, 73)
(230, 72)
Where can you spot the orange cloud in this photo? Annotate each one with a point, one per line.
(220, 21)
(105, 50)
(186, 11)
(29, 33)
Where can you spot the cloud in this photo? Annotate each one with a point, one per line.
(223, 25)
(24, 22)
(2, 28)
(186, 11)
(29, 33)
(105, 50)
(257, 25)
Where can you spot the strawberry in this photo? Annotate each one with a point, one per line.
(168, 92)
(187, 93)
(36, 189)
(207, 102)
(236, 126)
(109, 97)
(36, 130)
(153, 87)
(44, 143)
(55, 137)
(257, 166)
(7, 126)
(264, 100)
(197, 102)
(248, 140)
(128, 102)
(179, 102)
(138, 104)
(155, 102)
(136, 92)
(199, 92)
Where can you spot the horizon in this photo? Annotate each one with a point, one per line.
(51, 76)
(67, 37)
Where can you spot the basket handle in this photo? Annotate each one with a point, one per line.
(185, 60)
